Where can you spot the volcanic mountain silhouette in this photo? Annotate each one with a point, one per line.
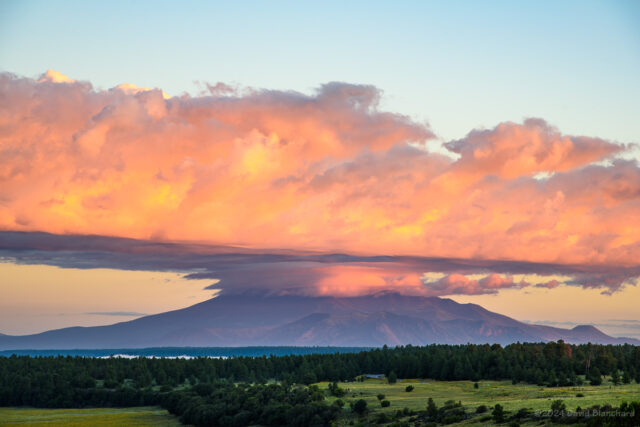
(279, 320)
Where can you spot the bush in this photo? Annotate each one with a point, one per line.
(579, 395)
(498, 413)
(381, 396)
(557, 409)
(382, 418)
(359, 407)
(450, 419)
(392, 378)
(385, 403)
(335, 390)
(408, 388)
(339, 403)
(481, 409)
(522, 413)
(475, 385)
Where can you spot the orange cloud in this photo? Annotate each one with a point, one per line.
(328, 171)
(366, 279)
(511, 151)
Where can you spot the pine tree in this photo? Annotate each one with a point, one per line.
(432, 410)
(626, 378)
(595, 377)
(498, 413)
(615, 377)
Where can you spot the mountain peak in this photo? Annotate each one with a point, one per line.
(370, 320)
(587, 329)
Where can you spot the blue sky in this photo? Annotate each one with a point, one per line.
(459, 65)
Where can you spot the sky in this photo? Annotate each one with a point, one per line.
(488, 152)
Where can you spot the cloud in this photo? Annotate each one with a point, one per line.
(512, 150)
(459, 284)
(548, 285)
(53, 76)
(240, 270)
(325, 172)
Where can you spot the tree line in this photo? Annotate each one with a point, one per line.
(248, 389)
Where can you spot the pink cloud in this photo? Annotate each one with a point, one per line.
(549, 285)
(459, 284)
(511, 150)
(327, 171)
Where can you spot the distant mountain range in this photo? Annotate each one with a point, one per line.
(267, 320)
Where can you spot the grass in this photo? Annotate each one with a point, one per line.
(511, 397)
(141, 416)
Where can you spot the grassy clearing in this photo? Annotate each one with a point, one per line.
(142, 416)
(511, 397)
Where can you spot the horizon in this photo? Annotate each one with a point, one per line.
(459, 151)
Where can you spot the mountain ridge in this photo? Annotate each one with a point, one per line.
(368, 321)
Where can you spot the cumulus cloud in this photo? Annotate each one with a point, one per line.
(511, 150)
(328, 172)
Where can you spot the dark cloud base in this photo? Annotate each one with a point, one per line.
(242, 270)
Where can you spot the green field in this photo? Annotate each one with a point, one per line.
(144, 416)
(511, 397)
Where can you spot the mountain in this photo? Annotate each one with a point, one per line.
(250, 320)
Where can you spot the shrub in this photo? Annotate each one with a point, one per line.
(557, 408)
(450, 419)
(408, 388)
(382, 418)
(481, 409)
(522, 413)
(381, 396)
(579, 395)
(432, 409)
(335, 390)
(498, 413)
(385, 403)
(359, 407)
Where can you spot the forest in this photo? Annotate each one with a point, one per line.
(279, 390)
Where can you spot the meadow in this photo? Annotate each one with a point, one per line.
(511, 396)
(139, 416)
